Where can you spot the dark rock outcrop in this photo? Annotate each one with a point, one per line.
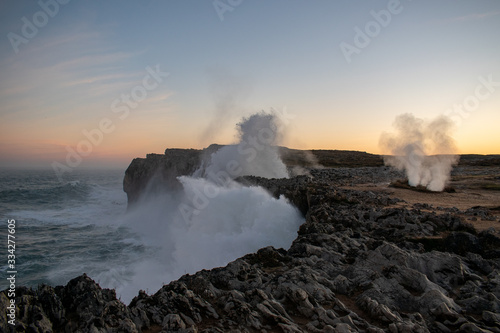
(80, 306)
(159, 172)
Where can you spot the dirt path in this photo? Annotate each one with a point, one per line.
(463, 199)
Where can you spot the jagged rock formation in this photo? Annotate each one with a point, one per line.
(158, 169)
(360, 263)
(158, 172)
(80, 306)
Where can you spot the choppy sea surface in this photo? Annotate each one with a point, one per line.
(81, 225)
(64, 229)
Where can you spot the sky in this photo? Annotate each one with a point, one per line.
(98, 83)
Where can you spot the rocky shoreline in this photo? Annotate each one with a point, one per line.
(363, 261)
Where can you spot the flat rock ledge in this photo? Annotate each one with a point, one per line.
(360, 263)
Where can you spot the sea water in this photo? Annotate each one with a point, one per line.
(64, 229)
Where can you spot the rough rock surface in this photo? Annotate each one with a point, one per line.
(144, 174)
(360, 263)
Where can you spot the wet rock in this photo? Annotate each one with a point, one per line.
(462, 243)
(80, 306)
(491, 317)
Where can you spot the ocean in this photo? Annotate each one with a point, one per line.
(64, 229)
(82, 225)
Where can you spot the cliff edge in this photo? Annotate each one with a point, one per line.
(158, 172)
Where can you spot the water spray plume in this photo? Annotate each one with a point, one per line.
(255, 154)
(425, 150)
(210, 220)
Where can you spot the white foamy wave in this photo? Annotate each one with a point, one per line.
(213, 220)
(235, 221)
(101, 205)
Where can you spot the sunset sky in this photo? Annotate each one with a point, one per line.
(343, 70)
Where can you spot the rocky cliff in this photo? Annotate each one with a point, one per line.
(361, 262)
(158, 172)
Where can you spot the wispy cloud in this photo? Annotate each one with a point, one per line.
(100, 78)
(469, 17)
(59, 75)
(25, 78)
(161, 97)
(94, 60)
